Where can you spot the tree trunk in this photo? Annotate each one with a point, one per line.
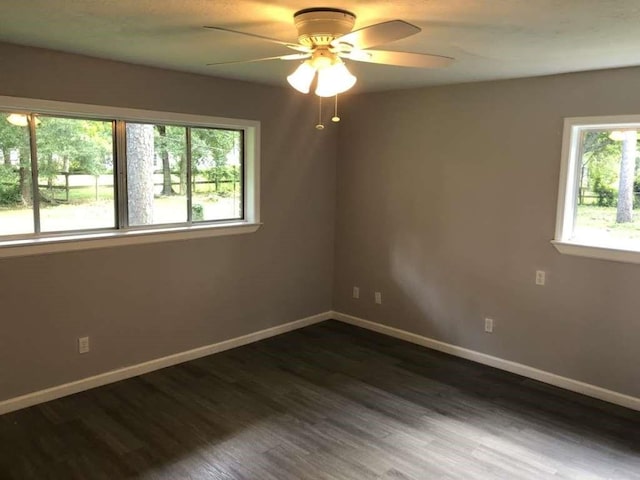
(25, 176)
(627, 174)
(183, 176)
(140, 153)
(166, 166)
(583, 174)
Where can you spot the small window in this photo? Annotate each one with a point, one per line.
(599, 200)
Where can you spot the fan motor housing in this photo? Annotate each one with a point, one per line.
(320, 26)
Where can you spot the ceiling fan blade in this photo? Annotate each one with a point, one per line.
(293, 56)
(401, 59)
(377, 34)
(293, 46)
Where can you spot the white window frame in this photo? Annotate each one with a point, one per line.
(59, 242)
(568, 193)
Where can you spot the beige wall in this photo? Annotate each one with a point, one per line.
(446, 203)
(142, 302)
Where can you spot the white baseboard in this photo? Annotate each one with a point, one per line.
(513, 367)
(52, 393)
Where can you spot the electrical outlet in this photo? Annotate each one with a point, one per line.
(356, 292)
(488, 325)
(83, 345)
(378, 298)
(540, 277)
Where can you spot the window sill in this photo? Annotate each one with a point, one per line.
(38, 246)
(597, 251)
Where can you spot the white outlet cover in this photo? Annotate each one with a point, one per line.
(488, 325)
(83, 344)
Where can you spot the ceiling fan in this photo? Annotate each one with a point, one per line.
(325, 38)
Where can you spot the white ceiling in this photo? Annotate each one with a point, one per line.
(490, 39)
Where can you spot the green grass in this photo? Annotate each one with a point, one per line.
(87, 214)
(600, 223)
(605, 217)
(79, 195)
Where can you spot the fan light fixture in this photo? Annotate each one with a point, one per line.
(333, 76)
(325, 38)
(620, 135)
(18, 119)
(303, 76)
(334, 80)
(21, 120)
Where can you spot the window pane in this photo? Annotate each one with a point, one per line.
(156, 174)
(16, 213)
(217, 163)
(75, 174)
(608, 189)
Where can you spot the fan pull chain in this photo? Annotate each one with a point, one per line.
(335, 118)
(320, 126)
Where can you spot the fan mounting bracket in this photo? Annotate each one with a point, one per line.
(320, 26)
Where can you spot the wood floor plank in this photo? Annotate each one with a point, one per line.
(330, 401)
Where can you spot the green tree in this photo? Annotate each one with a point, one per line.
(66, 145)
(210, 150)
(170, 144)
(15, 139)
(9, 186)
(624, 212)
(600, 160)
(12, 138)
(211, 146)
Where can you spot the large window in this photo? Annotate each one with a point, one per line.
(80, 173)
(599, 200)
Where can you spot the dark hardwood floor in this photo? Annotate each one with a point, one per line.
(327, 402)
